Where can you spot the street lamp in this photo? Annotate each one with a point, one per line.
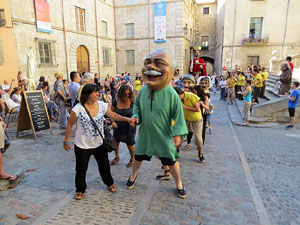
(185, 30)
(2, 18)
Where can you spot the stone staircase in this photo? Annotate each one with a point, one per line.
(270, 112)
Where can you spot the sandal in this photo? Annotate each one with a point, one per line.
(187, 146)
(78, 195)
(129, 164)
(115, 161)
(112, 188)
(164, 176)
(10, 178)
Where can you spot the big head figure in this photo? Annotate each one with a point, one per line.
(158, 69)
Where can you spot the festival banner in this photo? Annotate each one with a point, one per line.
(42, 14)
(160, 22)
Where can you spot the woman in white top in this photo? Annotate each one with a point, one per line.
(87, 138)
(16, 97)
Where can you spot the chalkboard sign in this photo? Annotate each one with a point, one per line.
(33, 113)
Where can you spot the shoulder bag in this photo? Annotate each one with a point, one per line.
(108, 144)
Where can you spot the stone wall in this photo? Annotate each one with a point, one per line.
(179, 13)
(23, 15)
(276, 110)
(274, 19)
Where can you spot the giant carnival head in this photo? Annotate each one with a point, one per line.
(197, 53)
(158, 70)
(204, 82)
(188, 82)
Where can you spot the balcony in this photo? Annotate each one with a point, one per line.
(252, 40)
(204, 48)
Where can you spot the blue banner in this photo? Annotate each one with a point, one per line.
(160, 9)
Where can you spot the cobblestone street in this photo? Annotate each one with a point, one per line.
(220, 191)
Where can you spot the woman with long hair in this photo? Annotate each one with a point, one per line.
(88, 141)
(123, 106)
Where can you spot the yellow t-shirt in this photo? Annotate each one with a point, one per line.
(242, 80)
(265, 75)
(231, 83)
(256, 80)
(191, 99)
(137, 85)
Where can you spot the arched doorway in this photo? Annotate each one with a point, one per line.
(82, 58)
(209, 62)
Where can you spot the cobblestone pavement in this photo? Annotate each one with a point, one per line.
(218, 191)
(274, 158)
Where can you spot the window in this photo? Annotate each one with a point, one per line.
(204, 41)
(104, 28)
(80, 19)
(129, 2)
(205, 10)
(129, 30)
(255, 27)
(130, 57)
(253, 60)
(106, 57)
(45, 53)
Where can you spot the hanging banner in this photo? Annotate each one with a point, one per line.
(160, 22)
(42, 14)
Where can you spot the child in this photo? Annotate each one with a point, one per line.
(293, 103)
(209, 112)
(102, 94)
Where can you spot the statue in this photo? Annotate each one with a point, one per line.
(274, 58)
(31, 85)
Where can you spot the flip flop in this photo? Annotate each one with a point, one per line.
(164, 177)
(9, 178)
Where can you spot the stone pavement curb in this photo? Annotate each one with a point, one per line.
(260, 209)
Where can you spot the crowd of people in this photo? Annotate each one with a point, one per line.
(169, 113)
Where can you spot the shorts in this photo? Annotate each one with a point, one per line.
(164, 161)
(292, 112)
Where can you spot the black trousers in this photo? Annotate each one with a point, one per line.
(239, 88)
(82, 161)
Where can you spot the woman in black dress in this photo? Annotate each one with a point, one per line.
(123, 105)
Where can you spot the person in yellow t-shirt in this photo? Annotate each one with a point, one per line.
(137, 85)
(240, 83)
(230, 84)
(257, 83)
(193, 117)
(264, 75)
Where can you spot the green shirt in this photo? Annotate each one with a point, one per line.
(156, 131)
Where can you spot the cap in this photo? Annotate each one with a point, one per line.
(188, 77)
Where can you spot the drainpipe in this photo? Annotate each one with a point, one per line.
(233, 35)
(65, 39)
(149, 43)
(286, 20)
(97, 39)
(115, 23)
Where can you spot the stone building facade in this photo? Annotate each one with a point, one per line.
(180, 17)
(91, 36)
(249, 31)
(206, 20)
(61, 50)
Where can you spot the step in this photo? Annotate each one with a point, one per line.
(270, 96)
(253, 120)
(273, 90)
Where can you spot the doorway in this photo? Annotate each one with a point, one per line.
(82, 58)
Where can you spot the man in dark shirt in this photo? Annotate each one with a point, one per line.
(114, 88)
